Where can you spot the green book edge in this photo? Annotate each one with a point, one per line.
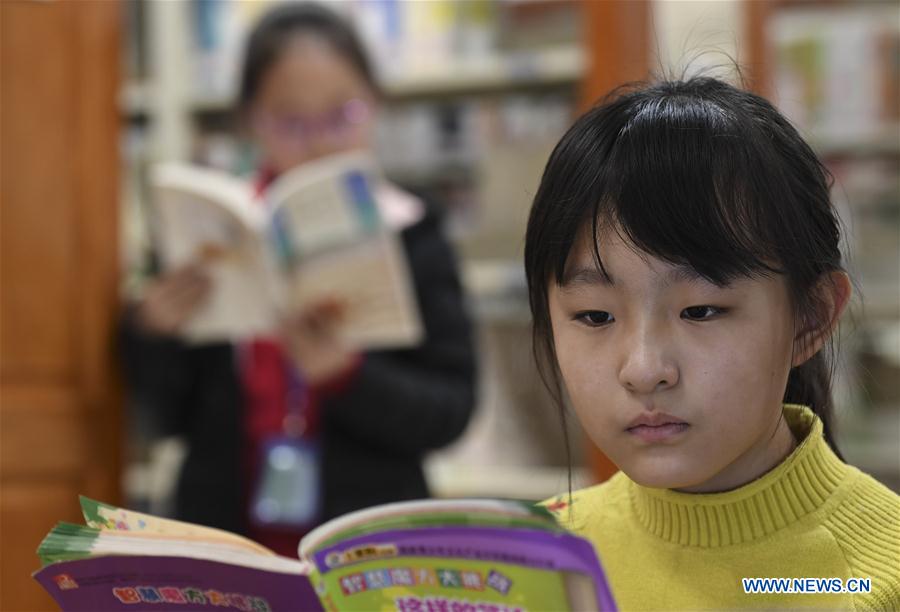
(90, 509)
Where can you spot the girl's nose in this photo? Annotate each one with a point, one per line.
(646, 367)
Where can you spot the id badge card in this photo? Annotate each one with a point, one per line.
(288, 492)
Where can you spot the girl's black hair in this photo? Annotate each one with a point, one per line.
(277, 28)
(693, 172)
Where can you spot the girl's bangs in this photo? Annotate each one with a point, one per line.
(681, 185)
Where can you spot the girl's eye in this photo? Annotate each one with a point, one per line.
(700, 313)
(594, 318)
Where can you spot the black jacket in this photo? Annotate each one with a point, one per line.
(400, 404)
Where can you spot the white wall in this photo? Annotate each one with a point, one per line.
(698, 34)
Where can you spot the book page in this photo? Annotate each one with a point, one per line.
(67, 541)
(208, 217)
(232, 195)
(324, 203)
(244, 298)
(111, 518)
(127, 543)
(328, 236)
(370, 279)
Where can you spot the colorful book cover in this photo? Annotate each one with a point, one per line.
(115, 582)
(453, 555)
(461, 568)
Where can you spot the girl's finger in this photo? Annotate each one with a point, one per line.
(186, 289)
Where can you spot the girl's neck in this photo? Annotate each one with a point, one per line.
(757, 461)
(798, 486)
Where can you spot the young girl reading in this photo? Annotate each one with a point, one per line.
(685, 279)
(360, 422)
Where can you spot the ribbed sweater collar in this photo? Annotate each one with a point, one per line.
(795, 488)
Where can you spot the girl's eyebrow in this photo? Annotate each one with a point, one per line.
(575, 277)
(682, 274)
(586, 276)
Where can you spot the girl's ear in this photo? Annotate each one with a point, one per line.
(834, 291)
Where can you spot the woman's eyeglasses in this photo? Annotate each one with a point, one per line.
(336, 123)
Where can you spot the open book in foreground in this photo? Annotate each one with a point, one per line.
(315, 234)
(423, 556)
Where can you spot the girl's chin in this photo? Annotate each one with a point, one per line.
(668, 479)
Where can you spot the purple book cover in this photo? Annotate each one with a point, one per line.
(553, 551)
(177, 583)
(172, 583)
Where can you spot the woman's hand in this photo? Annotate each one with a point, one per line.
(172, 299)
(313, 342)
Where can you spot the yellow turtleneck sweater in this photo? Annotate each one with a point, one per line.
(812, 516)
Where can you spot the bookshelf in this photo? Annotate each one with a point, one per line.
(562, 66)
(832, 67)
(175, 107)
(159, 88)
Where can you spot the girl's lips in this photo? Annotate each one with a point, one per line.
(654, 418)
(658, 433)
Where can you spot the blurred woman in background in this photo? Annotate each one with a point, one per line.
(307, 91)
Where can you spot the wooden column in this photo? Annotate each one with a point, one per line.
(617, 39)
(59, 167)
(757, 63)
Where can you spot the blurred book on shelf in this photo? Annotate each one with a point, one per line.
(837, 74)
(868, 194)
(415, 46)
(134, 52)
(448, 150)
